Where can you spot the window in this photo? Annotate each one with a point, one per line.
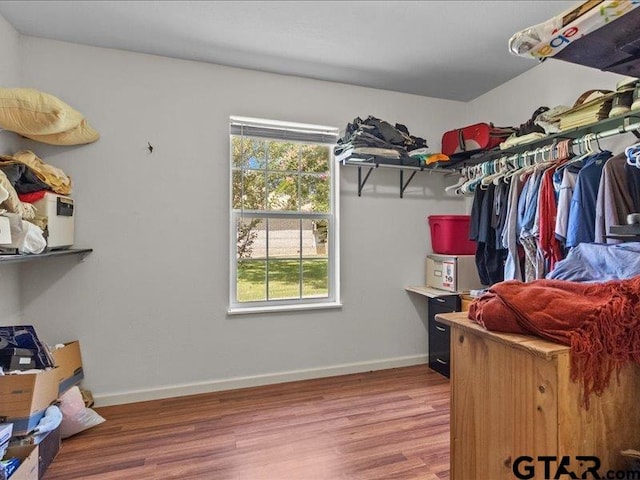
(284, 220)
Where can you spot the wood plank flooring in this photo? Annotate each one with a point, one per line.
(386, 425)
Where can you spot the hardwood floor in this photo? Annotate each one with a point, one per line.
(390, 424)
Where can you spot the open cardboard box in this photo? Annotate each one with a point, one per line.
(69, 366)
(24, 398)
(28, 455)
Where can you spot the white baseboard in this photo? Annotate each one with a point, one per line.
(132, 396)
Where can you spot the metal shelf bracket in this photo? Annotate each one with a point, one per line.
(403, 186)
(362, 182)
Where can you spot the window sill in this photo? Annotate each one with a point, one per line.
(283, 308)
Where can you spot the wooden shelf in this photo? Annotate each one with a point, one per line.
(82, 252)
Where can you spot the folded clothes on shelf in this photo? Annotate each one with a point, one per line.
(378, 141)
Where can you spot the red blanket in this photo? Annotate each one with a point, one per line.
(601, 322)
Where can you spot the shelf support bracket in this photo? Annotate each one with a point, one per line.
(362, 182)
(625, 127)
(403, 186)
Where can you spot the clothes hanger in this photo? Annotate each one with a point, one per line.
(531, 167)
(562, 152)
(469, 186)
(499, 167)
(585, 149)
(519, 163)
(509, 165)
(633, 154)
(464, 178)
(488, 169)
(549, 161)
(596, 138)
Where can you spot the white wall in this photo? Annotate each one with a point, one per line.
(10, 308)
(149, 304)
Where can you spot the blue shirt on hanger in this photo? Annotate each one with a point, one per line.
(582, 213)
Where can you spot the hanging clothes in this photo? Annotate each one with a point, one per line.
(524, 224)
(633, 182)
(547, 207)
(569, 179)
(528, 209)
(512, 270)
(490, 255)
(614, 201)
(582, 214)
(499, 217)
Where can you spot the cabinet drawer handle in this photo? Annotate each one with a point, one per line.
(442, 362)
(441, 300)
(440, 329)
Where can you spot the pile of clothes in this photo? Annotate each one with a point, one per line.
(376, 141)
(24, 179)
(544, 121)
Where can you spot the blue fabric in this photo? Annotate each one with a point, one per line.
(582, 213)
(559, 173)
(594, 262)
(531, 202)
(521, 206)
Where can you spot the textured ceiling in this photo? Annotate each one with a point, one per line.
(447, 49)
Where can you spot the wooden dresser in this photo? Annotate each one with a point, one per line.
(512, 396)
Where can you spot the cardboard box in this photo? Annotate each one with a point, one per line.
(69, 366)
(24, 398)
(28, 469)
(48, 448)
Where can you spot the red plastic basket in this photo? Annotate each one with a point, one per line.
(450, 234)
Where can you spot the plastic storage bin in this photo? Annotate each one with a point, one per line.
(450, 234)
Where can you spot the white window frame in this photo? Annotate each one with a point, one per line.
(302, 133)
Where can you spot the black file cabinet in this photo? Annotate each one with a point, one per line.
(439, 359)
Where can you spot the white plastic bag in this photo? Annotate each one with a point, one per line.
(75, 416)
(25, 236)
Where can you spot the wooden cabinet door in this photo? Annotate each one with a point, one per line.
(504, 405)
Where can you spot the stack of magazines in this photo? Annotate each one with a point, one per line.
(591, 107)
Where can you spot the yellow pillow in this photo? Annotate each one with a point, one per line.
(32, 112)
(80, 135)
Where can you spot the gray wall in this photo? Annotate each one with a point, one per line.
(10, 307)
(149, 304)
